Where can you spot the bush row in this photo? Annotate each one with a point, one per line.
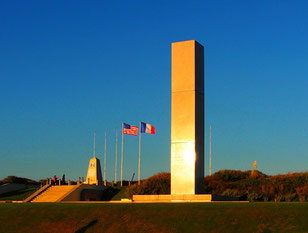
(247, 185)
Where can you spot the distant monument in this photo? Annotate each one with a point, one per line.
(254, 169)
(187, 118)
(94, 174)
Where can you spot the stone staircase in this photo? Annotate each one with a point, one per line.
(54, 193)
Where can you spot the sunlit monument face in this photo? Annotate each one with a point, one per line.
(187, 118)
(94, 175)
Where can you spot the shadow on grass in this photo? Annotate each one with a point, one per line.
(83, 229)
(18, 195)
(110, 193)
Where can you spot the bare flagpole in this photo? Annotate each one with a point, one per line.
(139, 154)
(122, 157)
(94, 145)
(116, 159)
(105, 183)
(210, 150)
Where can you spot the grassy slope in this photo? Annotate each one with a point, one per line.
(194, 217)
(121, 194)
(17, 195)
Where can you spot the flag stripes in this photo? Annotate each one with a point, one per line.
(147, 128)
(130, 129)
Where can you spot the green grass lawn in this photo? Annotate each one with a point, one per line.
(169, 217)
(17, 195)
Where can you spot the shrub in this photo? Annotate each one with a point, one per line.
(259, 187)
(254, 196)
(302, 193)
(157, 184)
(289, 187)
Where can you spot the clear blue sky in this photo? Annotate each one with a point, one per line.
(69, 68)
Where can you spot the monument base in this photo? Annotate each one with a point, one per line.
(182, 198)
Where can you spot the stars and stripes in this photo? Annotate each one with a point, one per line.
(130, 129)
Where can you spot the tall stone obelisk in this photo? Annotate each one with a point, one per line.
(187, 118)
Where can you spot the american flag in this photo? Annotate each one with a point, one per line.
(130, 129)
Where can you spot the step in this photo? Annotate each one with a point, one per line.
(53, 194)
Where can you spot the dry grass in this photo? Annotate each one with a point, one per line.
(198, 217)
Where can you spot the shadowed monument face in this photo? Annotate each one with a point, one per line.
(187, 118)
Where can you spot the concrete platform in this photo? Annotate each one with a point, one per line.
(182, 198)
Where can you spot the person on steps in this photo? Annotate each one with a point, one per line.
(63, 179)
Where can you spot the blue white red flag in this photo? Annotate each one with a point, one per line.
(147, 128)
(130, 129)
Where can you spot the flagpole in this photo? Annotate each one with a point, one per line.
(94, 145)
(116, 158)
(139, 154)
(105, 183)
(210, 150)
(122, 158)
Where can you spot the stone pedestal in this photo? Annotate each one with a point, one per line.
(182, 198)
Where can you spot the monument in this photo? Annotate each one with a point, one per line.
(187, 128)
(94, 174)
(187, 125)
(187, 118)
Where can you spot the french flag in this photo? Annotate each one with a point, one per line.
(147, 128)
